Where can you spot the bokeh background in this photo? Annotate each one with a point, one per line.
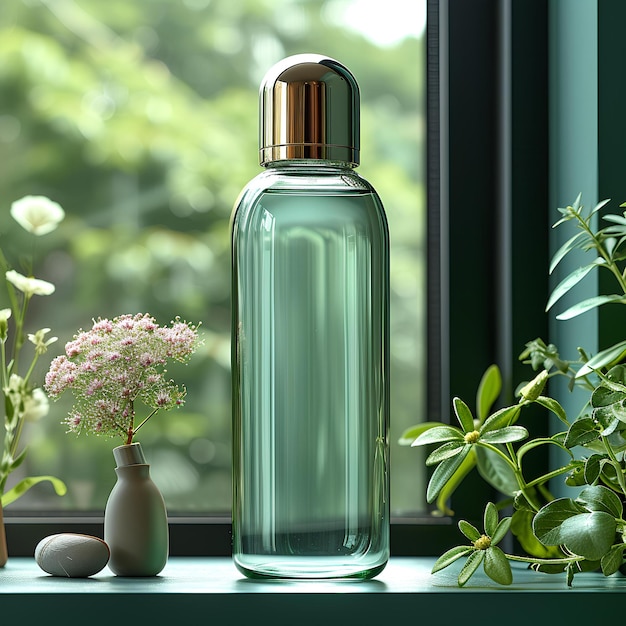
(140, 118)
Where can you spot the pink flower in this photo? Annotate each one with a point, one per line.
(117, 364)
(102, 325)
(162, 398)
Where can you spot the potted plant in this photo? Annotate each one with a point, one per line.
(112, 370)
(586, 531)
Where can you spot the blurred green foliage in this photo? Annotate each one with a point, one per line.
(140, 118)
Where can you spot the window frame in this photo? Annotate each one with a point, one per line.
(486, 92)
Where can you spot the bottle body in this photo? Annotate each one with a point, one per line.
(310, 375)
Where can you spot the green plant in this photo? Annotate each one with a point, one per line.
(572, 534)
(23, 402)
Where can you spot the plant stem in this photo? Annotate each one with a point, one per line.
(524, 488)
(546, 477)
(145, 420)
(31, 368)
(3, 352)
(527, 559)
(610, 264)
(16, 437)
(616, 464)
(19, 332)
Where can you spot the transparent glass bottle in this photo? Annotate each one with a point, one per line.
(310, 298)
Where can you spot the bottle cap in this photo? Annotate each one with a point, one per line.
(309, 109)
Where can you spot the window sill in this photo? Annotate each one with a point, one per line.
(211, 587)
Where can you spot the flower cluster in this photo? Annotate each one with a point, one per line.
(115, 364)
(23, 401)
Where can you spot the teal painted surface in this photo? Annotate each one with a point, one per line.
(204, 590)
(573, 168)
(213, 576)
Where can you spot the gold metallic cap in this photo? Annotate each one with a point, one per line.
(309, 109)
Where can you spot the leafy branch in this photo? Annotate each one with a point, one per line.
(567, 535)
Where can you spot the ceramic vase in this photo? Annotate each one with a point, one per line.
(135, 517)
(4, 554)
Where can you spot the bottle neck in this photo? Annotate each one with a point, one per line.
(309, 164)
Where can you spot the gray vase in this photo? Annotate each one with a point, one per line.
(135, 518)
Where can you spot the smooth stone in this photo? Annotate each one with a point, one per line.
(72, 555)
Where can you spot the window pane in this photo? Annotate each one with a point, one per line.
(140, 119)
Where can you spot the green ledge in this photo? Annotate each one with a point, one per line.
(209, 590)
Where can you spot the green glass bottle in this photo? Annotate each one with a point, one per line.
(310, 302)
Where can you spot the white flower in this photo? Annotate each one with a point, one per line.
(15, 391)
(39, 339)
(36, 405)
(16, 384)
(37, 214)
(29, 286)
(5, 314)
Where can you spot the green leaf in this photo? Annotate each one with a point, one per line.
(581, 432)
(587, 305)
(490, 519)
(469, 530)
(547, 522)
(501, 530)
(445, 451)
(552, 405)
(569, 245)
(593, 467)
(615, 219)
(609, 400)
(497, 567)
(438, 434)
(450, 557)
(457, 478)
(471, 565)
(26, 483)
(521, 527)
(532, 390)
(488, 391)
(463, 414)
(413, 432)
(602, 359)
(496, 471)
(443, 472)
(577, 206)
(599, 206)
(18, 460)
(613, 559)
(508, 434)
(589, 534)
(615, 378)
(600, 498)
(568, 282)
(504, 417)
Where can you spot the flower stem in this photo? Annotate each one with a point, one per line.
(145, 420)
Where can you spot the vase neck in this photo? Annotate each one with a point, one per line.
(130, 454)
